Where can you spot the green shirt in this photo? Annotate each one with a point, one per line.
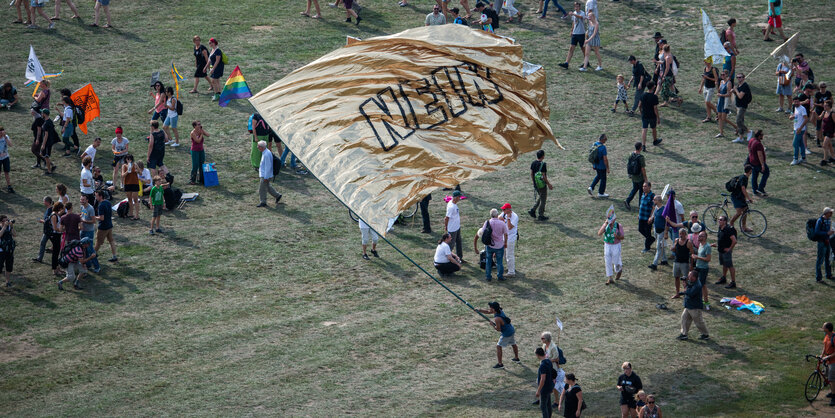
(704, 251)
(156, 196)
(609, 233)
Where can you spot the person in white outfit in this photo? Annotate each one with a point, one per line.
(512, 220)
(368, 233)
(612, 233)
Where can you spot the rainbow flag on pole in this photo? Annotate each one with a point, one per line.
(235, 88)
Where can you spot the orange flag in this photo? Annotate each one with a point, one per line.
(86, 99)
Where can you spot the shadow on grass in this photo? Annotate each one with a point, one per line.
(177, 239)
(571, 232)
(302, 217)
(32, 298)
(678, 157)
(504, 399)
(774, 246)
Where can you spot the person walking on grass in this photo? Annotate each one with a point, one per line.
(693, 308)
(600, 164)
(539, 177)
(612, 233)
(578, 33)
(88, 228)
(7, 246)
(725, 243)
(452, 223)
(649, 115)
(543, 9)
(501, 322)
(216, 62)
(823, 236)
(775, 21)
(157, 201)
(639, 80)
(511, 220)
(592, 40)
(636, 168)
(645, 211)
(367, 234)
(722, 105)
(828, 129)
(57, 16)
(629, 383)
(702, 260)
(742, 98)
(47, 228)
(800, 118)
(497, 246)
(23, 4)
(544, 382)
(306, 11)
(756, 159)
(198, 154)
(265, 175)
(105, 218)
(828, 359)
(5, 164)
(660, 227)
(171, 117)
(201, 58)
(445, 261)
(682, 249)
(349, 11)
(621, 94)
(102, 4)
(571, 400)
(709, 79)
(552, 353)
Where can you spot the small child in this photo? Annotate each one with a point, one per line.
(157, 201)
(641, 403)
(621, 97)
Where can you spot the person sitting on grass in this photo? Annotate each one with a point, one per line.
(501, 323)
(77, 257)
(445, 261)
(157, 201)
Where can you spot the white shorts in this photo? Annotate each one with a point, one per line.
(611, 256)
(506, 341)
(709, 94)
(74, 269)
(366, 233)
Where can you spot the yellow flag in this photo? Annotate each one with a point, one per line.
(385, 121)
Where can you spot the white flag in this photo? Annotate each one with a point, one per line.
(34, 70)
(559, 323)
(713, 45)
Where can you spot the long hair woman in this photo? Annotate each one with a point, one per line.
(130, 175)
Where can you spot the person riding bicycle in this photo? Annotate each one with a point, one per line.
(828, 359)
(740, 197)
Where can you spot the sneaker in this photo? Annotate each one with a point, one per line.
(348, 20)
(113, 259)
(719, 136)
(532, 213)
(159, 230)
(602, 195)
(794, 162)
(704, 337)
(707, 306)
(664, 263)
(808, 152)
(657, 141)
(598, 68)
(589, 190)
(564, 65)
(261, 205)
(515, 360)
(564, 17)
(722, 280)
(824, 162)
(738, 140)
(96, 270)
(681, 337)
(33, 27)
(628, 206)
(613, 110)
(779, 109)
(499, 366)
(35, 166)
(653, 267)
(37, 260)
(542, 218)
(277, 199)
(583, 69)
(644, 251)
(60, 287)
(51, 25)
(358, 21)
(536, 402)
(731, 285)
(10, 190)
(151, 232)
(374, 253)
(365, 257)
(175, 145)
(644, 148)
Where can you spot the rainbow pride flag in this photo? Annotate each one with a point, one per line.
(235, 88)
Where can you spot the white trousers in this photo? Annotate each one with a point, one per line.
(508, 5)
(611, 256)
(510, 257)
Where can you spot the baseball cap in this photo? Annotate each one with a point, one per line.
(827, 210)
(456, 193)
(119, 130)
(45, 111)
(657, 35)
(506, 206)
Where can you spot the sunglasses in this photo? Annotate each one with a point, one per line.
(650, 403)
(739, 77)
(694, 216)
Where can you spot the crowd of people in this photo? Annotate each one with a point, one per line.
(35, 8)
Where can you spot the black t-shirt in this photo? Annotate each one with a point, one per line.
(535, 168)
(743, 182)
(746, 99)
(159, 144)
(199, 57)
(49, 129)
(820, 98)
(648, 103)
(36, 124)
(724, 238)
(631, 385)
(492, 15)
(8, 95)
(709, 84)
(545, 367)
(638, 71)
(259, 125)
(571, 403)
(802, 97)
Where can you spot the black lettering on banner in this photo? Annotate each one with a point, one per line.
(445, 95)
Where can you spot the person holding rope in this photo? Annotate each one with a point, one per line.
(501, 323)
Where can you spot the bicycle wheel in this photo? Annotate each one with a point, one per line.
(410, 212)
(813, 386)
(711, 217)
(755, 221)
(353, 216)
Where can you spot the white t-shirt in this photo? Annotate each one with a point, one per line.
(454, 223)
(121, 147)
(679, 211)
(91, 151)
(442, 252)
(514, 220)
(146, 178)
(591, 7)
(88, 175)
(67, 113)
(799, 115)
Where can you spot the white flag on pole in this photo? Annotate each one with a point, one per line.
(559, 323)
(713, 45)
(34, 70)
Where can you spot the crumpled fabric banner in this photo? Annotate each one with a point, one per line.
(713, 45)
(87, 99)
(383, 122)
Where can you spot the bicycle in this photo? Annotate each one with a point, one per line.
(406, 214)
(753, 219)
(817, 380)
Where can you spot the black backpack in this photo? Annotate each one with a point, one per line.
(276, 166)
(778, 3)
(172, 197)
(487, 234)
(179, 107)
(810, 229)
(734, 185)
(77, 115)
(633, 167)
(62, 260)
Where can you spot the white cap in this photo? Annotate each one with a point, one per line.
(696, 228)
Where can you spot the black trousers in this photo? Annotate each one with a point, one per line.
(424, 213)
(545, 404)
(447, 268)
(56, 249)
(646, 230)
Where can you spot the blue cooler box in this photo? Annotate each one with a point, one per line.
(210, 175)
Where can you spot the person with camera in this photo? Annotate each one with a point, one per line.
(693, 307)
(628, 384)
(7, 244)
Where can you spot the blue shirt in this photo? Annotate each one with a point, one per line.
(645, 210)
(660, 222)
(822, 227)
(107, 211)
(545, 367)
(507, 328)
(601, 152)
(693, 296)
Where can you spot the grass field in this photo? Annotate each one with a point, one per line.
(243, 311)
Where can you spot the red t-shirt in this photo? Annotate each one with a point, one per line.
(70, 222)
(828, 348)
(754, 148)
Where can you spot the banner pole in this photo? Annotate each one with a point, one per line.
(758, 66)
(431, 276)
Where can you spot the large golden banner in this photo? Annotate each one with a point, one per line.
(383, 122)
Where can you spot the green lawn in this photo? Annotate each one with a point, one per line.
(238, 311)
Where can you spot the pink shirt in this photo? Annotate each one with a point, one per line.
(197, 146)
(499, 231)
(159, 102)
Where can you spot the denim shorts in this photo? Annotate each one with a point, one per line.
(171, 120)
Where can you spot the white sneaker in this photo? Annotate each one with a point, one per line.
(175, 145)
(583, 69)
(738, 140)
(602, 195)
(589, 189)
(779, 109)
(599, 68)
(795, 162)
(808, 152)
(51, 25)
